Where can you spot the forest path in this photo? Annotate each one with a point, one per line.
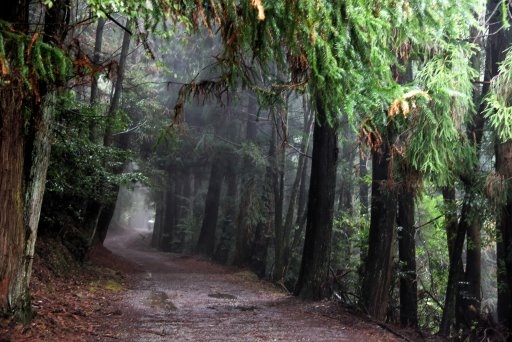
(180, 298)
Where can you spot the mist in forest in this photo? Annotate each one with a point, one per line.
(134, 210)
(336, 150)
(228, 174)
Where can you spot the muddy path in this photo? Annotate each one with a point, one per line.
(178, 298)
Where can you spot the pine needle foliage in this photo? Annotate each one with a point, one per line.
(31, 59)
(344, 54)
(434, 135)
(347, 52)
(499, 101)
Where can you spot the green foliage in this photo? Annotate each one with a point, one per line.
(350, 242)
(432, 260)
(431, 134)
(31, 58)
(152, 12)
(499, 100)
(253, 153)
(80, 168)
(344, 54)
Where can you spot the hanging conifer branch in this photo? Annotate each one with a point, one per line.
(32, 58)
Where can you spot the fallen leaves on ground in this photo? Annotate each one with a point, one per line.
(81, 306)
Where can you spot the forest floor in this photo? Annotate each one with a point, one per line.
(138, 294)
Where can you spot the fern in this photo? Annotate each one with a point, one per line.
(31, 58)
(499, 100)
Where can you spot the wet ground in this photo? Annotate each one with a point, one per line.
(179, 298)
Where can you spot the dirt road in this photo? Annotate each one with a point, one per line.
(180, 298)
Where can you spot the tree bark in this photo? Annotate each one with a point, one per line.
(504, 239)
(24, 158)
(207, 237)
(159, 218)
(283, 252)
(300, 223)
(223, 249)
(96, 59)
(455, 271)
(118, 88)
(499, 40)
(407, 258)
(170, 210)
(363, 186)
(94, 78)
(104, 220)
(14, 295)
(378, 266)
(281, 121)
(56, 21)
(451, 223)
(363, 205)
(468, 300)
(244, 236)
(263, 229)
(342, 237)
(317, 244)
(185, 212)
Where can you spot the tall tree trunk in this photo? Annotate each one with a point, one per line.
(118, 88)
(468, 300)
(263, 230)
(348, 147)
(170, 211)
(504, 238)
(378, 266)
(185, 212)
(14, 295)
(244, 231)
(343, 236)
(159, 218)
(363, 185)
(94, 78)
(96, 59)
(317, 244)
(406, 231)
(281, 119)
(178, 214)
(91, 219)
(38, 137)
(363, 205)
(294, 198)
(24, 158)
(207, 237)
(228, 223)
(300, 222)
(407, 257)
(100, 232)
(303, 192)
(104, 220)
(455, 259)
(499, 40)
(455, 271)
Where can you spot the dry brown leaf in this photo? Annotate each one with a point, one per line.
(261, 11)
(403, 106)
